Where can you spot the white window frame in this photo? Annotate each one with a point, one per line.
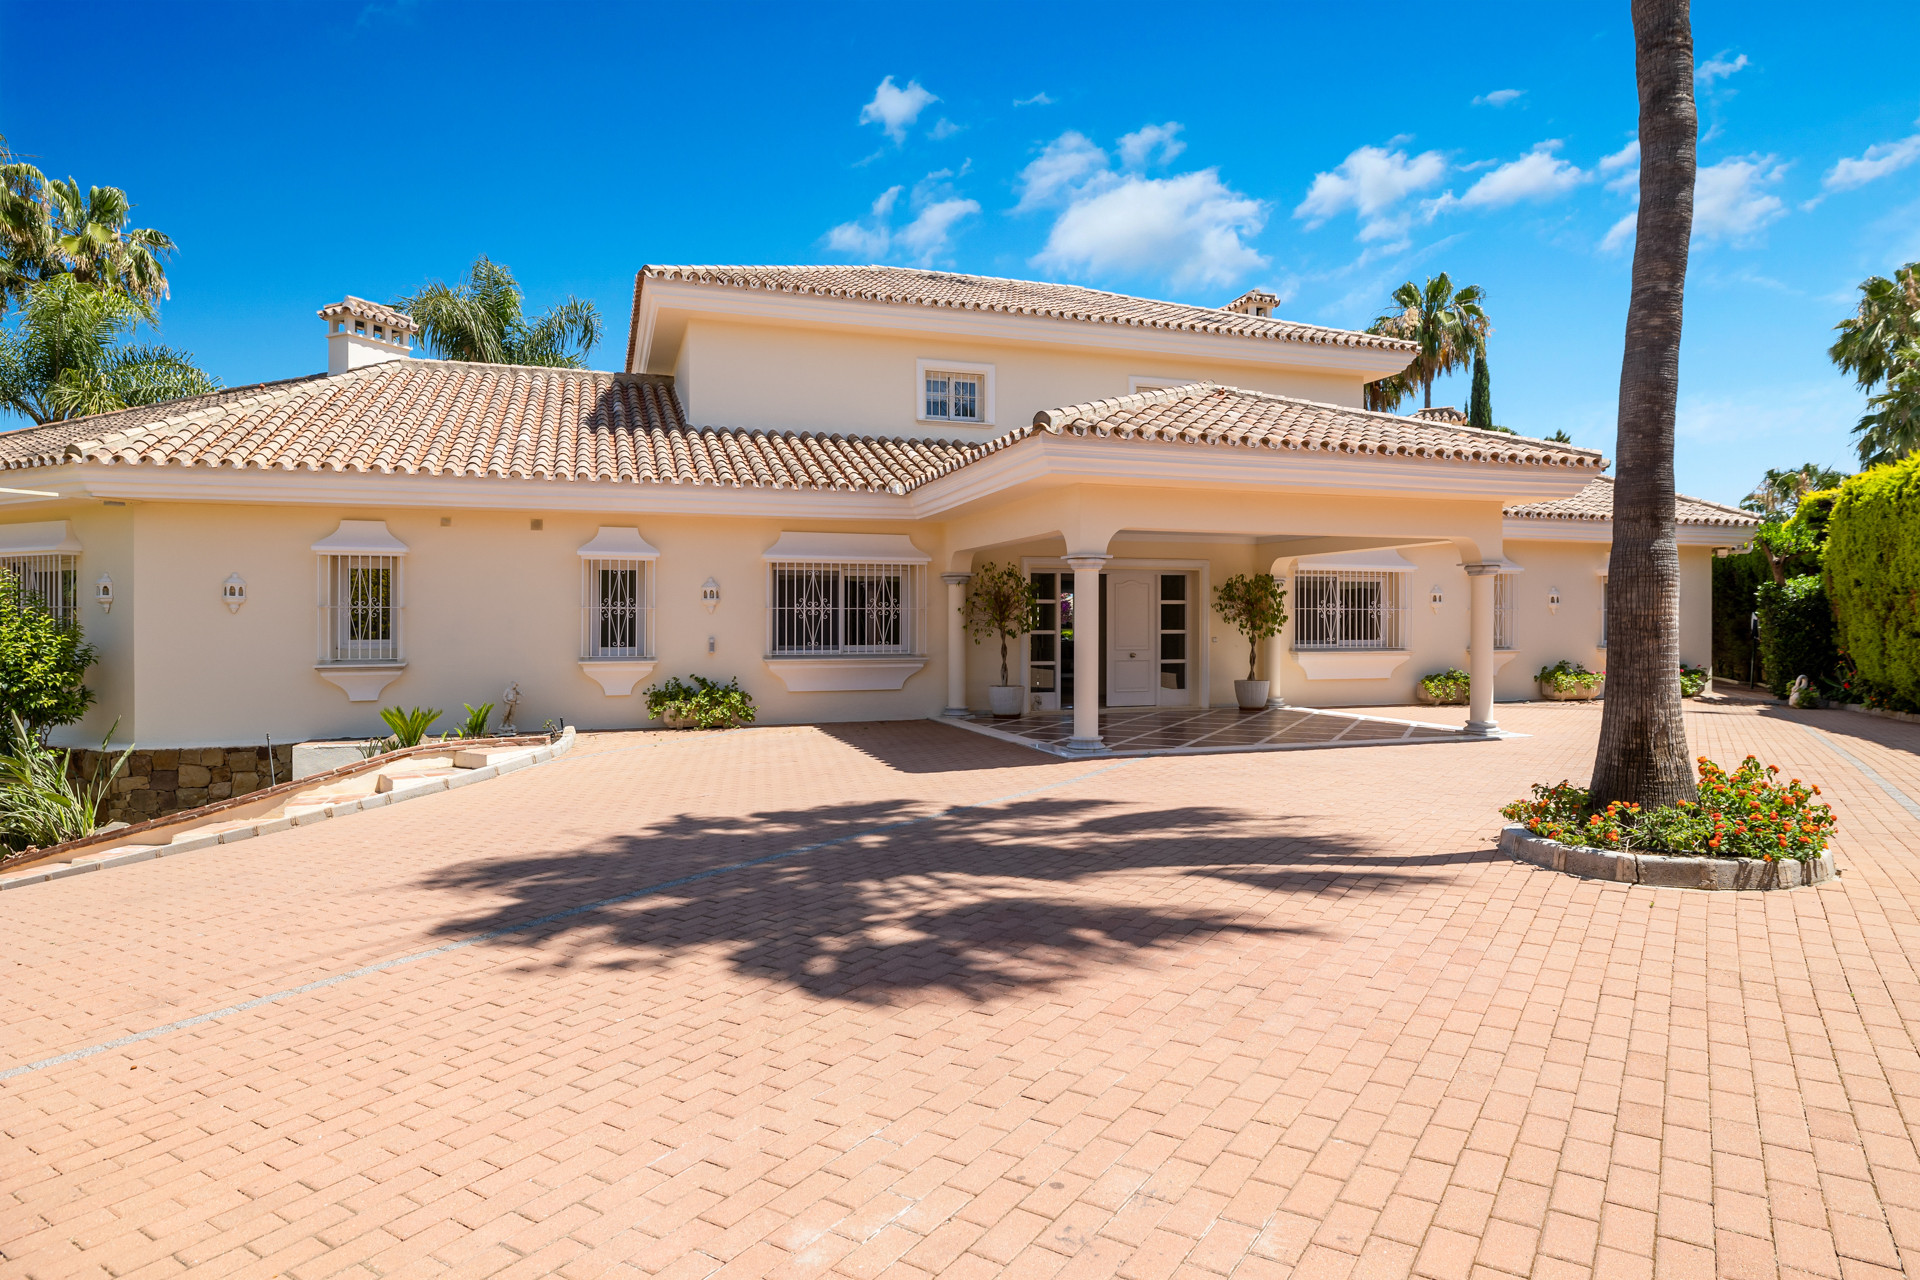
(614, 550)
(877, 580)
(1323, 629)
(985, 372)
(361, 547)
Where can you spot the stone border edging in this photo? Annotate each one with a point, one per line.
(1661, 871)
(1861, 709)
(412, 789)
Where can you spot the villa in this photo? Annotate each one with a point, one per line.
(790, 483)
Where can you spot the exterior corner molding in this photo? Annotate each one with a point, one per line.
(845, 675)
(617, 676)
(361, 681)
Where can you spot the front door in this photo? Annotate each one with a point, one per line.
(1133, 638)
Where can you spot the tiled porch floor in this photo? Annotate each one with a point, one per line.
(1129, 731)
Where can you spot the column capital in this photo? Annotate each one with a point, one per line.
(956, 579)
(1086, 561)
(1486, 569)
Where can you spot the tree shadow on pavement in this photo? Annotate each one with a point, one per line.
(870, 902)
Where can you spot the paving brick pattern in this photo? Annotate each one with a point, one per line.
(1004, 1015)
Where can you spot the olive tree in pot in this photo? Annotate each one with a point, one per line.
(1001, 603)
(1254, 604)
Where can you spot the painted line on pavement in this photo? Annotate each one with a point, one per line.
(1900, 797)
(528, 925)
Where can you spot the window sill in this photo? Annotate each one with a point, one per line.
(845, 674)
(617, 676)
(361, 681)
(1350, 664)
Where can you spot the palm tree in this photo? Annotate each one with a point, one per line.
(1448, 326)
(1642, 757)
(1880, 344)
(1780, 491)
(49, 228)
(60, 360)
(480, 319)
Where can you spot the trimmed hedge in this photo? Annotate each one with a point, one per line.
(1873, 572)
(1796, 633)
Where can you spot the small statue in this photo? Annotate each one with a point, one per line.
(510, 699)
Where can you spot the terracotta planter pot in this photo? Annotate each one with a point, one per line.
(1575, 694)
(673, 720)
(1007, 700)
(1252, 694)
(1421, 695)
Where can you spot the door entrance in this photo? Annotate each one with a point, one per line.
(1133, 638)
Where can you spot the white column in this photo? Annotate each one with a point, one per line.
(1086, 651)
(1276, 647)
(1481, 662)
(956, 642)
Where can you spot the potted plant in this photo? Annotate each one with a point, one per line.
(1254, 604)
(704, 704)
(1449, 688)
(1001, 602)
(1566, 681)
(1694, 681)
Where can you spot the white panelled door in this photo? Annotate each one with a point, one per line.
(1133, 638)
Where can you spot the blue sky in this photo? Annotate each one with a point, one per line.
(298, 152)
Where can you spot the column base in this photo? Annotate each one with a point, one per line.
(954, 711)
(1486, 728)
(1085, 744)
(1276, 703)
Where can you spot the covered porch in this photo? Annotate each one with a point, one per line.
(1141, 731)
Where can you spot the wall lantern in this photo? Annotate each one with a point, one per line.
(103, 593)
(1437, 596)
(234, 592)
(1553, 599)
(710, 594)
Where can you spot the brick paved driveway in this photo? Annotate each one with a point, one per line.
(993, 1014)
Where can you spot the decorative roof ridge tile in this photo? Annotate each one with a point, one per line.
(1594, 504)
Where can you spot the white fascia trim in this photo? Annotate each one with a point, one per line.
(812, 310)
(1687, 535)
(921, 368)
(1041, 457)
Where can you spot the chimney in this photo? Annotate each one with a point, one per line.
(360, 333)
(1254, 302)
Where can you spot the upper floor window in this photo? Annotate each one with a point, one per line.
(616, 595)
(360, 593)
(954, 392)
(845, 595)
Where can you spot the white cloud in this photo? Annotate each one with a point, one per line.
(925, 238)
(1718, 68)
(1538, 175)
(943, 128)
(1498, 98)
(894, 108)
(1066, 162)
(1879, 160)
(1188, 229)
(1620, 232)
(1137, 148)
(1624, 166)
(867, 239)
(1729, 202)
(1371, 181)
(1039, 99)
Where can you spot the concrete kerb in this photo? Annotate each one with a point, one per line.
(408, 790)
(1659, 871)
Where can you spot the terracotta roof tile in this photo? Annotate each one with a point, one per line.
(1595, 502)
(353, 306)
(906, 286)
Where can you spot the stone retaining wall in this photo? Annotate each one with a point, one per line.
(161, 782)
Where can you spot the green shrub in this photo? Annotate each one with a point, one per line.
(41, 803)
(1450, 687)
(1564, 675)
(1693, 680)
(409, 727)
(707, 703)
(42, 663)
(1873, 573)
(1796, 633)
(475, 725)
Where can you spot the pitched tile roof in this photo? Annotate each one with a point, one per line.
(1208, 413)
(906, 286)
(1595, 502)
(435, 417)
(372, 311)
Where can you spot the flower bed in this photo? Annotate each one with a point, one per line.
(1743, 814)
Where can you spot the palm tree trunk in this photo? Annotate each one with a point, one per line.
(1642, 755)
(1428, 383)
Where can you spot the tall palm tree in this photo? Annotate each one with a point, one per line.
(60, 359)
(48, 228)
(1880, 344)
(1642, 756)
(480, 319)
(1781, 489)
(1447, 325)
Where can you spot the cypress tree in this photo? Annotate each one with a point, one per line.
(1480, 407)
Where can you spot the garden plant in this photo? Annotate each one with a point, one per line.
(1449, 688)
(409, 727)
(1565, 676)
(1001, 604)
(1254, 604)
(41, 803)
(705, 704)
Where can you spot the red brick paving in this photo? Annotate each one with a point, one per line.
(1259, 1015)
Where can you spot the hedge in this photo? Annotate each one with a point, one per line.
(1873, 574)
(1796, 633)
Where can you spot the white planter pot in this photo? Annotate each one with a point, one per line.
(1006, 700)
(1576, 694)
(1252, 694)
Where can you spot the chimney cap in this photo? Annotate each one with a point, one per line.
(361, 309)
(1254, 302)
